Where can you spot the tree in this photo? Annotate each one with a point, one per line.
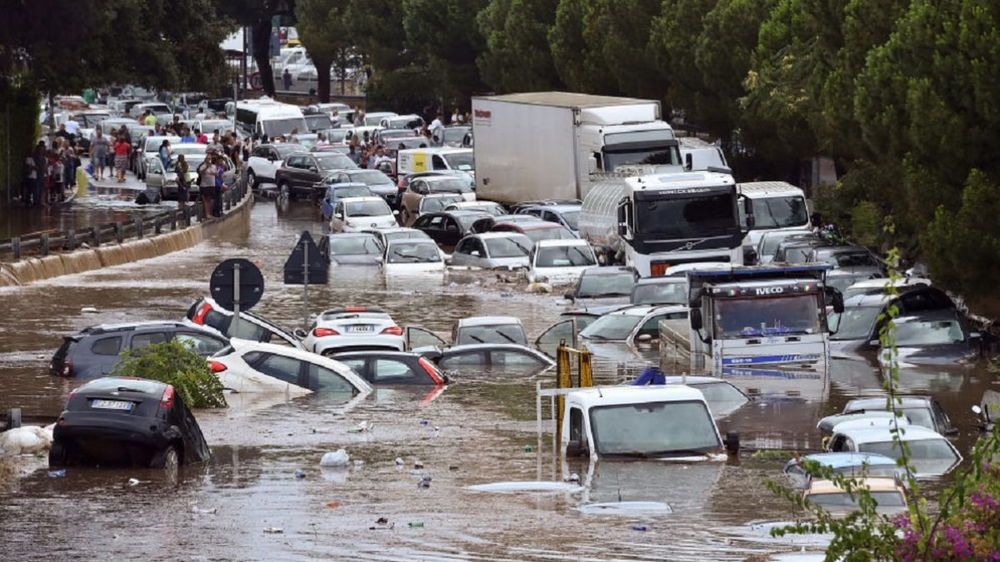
(516, 57)
(576, 56)
(619, 32)
(673, 35)
(325, 35)
(257, 14)
(177, 364)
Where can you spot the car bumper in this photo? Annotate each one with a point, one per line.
(111, 438)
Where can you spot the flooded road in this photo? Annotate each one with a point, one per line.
(478, 430)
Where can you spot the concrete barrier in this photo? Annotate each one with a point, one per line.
(30, 270)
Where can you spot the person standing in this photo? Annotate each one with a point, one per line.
(207, 172)
(183, 186)
(186, 135)
(99, 149)
(72, 126)
(456, 117)
(220, 186)
(200, 137)
(164, 154)
(41, 174)
(286, 80)
(57, 172)
(150, 120)
(122, 148)
(30, 178)
(71, 162)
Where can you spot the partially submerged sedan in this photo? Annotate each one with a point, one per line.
(412, 256)
(260, 367)
(888, 494)
(508, 356)
(353, 328)
(919, 410)
(559, 261)
(848, 464)
(126, 421)
(492, 250)
(930, 453)
(604, 282)
(393, 367)
(354, 248)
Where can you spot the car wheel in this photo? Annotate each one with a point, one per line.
(252, 180)
(13, 418)
(167, 459)
(57, 455)
(285, 191)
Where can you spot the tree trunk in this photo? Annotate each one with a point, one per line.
(262, 54)
(322, 79)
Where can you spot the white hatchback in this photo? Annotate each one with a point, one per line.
(354, 328)
(247, 366)
(353, 214)
(412, 255)
(559, 261)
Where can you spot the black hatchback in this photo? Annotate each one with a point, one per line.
(125, 421)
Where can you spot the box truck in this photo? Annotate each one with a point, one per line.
(556, 145)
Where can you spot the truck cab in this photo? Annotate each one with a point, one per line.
(777, 205)
(666, 423)
(759, 316)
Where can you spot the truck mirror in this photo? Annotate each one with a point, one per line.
(575, 449)
(748, 211)
(695, 318)
(592, 164)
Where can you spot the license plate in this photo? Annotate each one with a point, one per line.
(111, 404)
(361, 329)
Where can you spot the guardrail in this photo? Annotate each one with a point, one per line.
(45, 243)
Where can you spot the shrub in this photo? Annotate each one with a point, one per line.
(177, 364)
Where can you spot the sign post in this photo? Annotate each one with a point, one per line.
(236, 285)
(307, 265)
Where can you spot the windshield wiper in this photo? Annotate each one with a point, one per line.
(472, 337)
(506, 337)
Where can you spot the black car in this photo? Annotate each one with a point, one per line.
(393, 367)
(126, 421)
(448, 227)
(94, 351)
(300, 173)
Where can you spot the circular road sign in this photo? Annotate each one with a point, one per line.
(223, 284)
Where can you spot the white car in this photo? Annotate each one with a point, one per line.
(247, 366)
(493, 249)
(386, 235)
(375, 118)
(559, 261)
(353, 214)
(413, 255)
(151, 149)
(265, 160)
(353, 328)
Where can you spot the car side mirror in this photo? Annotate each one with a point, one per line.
(694, 317)
(644, 338)
(300, 333)
(474, 253)
(575, 448)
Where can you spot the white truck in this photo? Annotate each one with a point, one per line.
(655, 221)
(753, 316)
(777, 205)
(555, 145)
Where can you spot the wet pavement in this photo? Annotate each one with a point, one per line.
(480, 429)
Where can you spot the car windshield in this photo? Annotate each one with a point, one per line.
(278, 127)
(334, 161)
(843, 499)
(934, 448)
(571, 218)
(920, 333)
(855, 323)
(434, 204)
(735, 318)
(661, 293)
(565, 256)
(370, 208)
(460, 161)
(850, 259)
(708, 215)
(350, 191)
(653, 429)
(501, 333)
(769, 244)
(513, 247)
(601, 285)
(286, 150)
(413, 253)
(779, 212)
(555, 232)
(354, 246)
(370, 177)
(404, 235)
(611, 327)
(449, 185)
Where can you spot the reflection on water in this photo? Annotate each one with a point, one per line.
(478, 430)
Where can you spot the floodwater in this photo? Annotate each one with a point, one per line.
(480, 429)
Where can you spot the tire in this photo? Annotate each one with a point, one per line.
(284, 190)
(252, 180)
(57, 455)
(13, 418)
(733, 443)
(168, 459)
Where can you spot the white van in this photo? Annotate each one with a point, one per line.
(265, 116)
(415, 160)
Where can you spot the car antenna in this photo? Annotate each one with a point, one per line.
(599, 393)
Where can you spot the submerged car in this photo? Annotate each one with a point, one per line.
(352, 214)
(919, 410)
(412, 255)
(255, 367)
(847, 464)
(930, 453)
(634, 324)
(207, 313)
(337, 191)
(604, 282)
(888, 494)
(506, 356)
(393, 367)
(559, 261)
(353, 248)
(353, 328)
(386, 235)
(660, 290)
(126, 421)
(489, 329)
(492, 250)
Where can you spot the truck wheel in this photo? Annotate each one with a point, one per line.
(167, 458)
(13, 418)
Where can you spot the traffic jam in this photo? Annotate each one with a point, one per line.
(561, 307)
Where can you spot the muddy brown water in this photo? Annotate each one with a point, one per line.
(480, 429)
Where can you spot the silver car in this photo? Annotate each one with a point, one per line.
(166, 180)
(493, 249)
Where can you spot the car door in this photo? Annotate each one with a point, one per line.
(288, 173)
(309, 174)
(283, 368)
(451, 231)
(424, 224)
(325, 381)
(563, 331)
(337, 220)
(438, 163)
(468, 252)
(417, 337)
(155, 175)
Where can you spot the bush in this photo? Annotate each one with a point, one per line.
(177, 364)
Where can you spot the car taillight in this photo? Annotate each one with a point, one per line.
(167, 401)
(393, 331)
(67, 370)
(323, 332)
(216, 367)
(431, 370)
(199, 318)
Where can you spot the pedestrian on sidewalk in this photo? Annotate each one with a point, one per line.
(186, 135)
(206, 174)
(164, 154)
(200, 137)
(183, 186)
(99, 149)
(30, 179)
(286, 80)
(71, 162)
(122, 148)
(57, 172)
(41, 174)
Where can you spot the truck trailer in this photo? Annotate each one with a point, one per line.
(556, 145)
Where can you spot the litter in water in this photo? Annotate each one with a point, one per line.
(299, 473)
(273, 530)
(336, 458)
(61, 473)
(133, 481)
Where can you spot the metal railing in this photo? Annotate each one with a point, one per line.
(564, 379)
(46, 243)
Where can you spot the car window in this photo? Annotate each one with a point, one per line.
(389, 370)
(322, 379)
(652, 326)
(201, 344)
(466, 358)
(107, 346)
(439, 163)
(450, 225)
(511, 357)
(465, 246)
(145, 340)
(357, 365)
(280, 367)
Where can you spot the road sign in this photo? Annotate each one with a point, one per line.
(236, 284)
(307, 257)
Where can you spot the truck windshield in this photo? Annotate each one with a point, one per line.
(709, 215)
(855, 323)
(798, 314)
(778, 212)
(640, 147)
(653, 429)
